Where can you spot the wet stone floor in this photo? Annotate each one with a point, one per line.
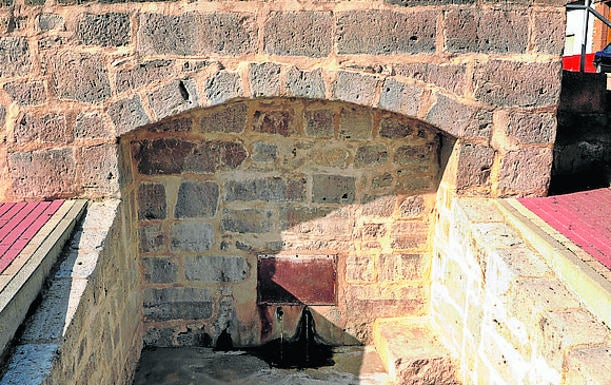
(203, 366)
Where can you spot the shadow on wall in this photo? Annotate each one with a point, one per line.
(219, 189)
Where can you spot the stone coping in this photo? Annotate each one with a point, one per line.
(22, 280)
(583, 275)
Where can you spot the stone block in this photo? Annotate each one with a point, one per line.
(222, 87)
(229, 119)
(305, 84)
(412, 207)
(355, 123)
(247, 221)
(143, 73)
(549, 37)
(197, 200)
(525, 171)
(355, 88)
(30, 364)
(50, 22)
(158, 337)
(381, 181)
(127, 114)
(462, 115)
(333, 189)
(264, 152)
(418, 155)
(396, 128)
(452, 77)
(409, 235)
(193, 237)
(159, 270)
(474, 164)
(415, 180)
(301, 219)
(360, 268)
(379, 32)
(105, 30)
(99, 167)
(588, 366)
(274, 122)
(180, 124)
(319, 123)
(14, 56)
(566, 329)
(2, 115)
(216, 269)
(270, 189)
(81, 77)
(487, 31)
(510, 83)
(151, 238)
(400, 97)
(26, 93)
(331, 155)
(49, 128)
(151, 201)
(175, 303)
(371, 156)
(90, 125)
(264, 79)
(192, 33)
(299, 34)
(531, 127)
(43, 174)
(174, 97)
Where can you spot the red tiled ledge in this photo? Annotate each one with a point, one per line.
(32, 234)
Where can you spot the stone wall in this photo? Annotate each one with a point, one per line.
(75, 77)
(217, 187)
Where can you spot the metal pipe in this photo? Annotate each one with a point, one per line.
(584, 41)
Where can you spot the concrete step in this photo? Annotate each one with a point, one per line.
(412, 353)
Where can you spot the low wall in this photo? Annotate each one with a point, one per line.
(87, 329)
(502, 310)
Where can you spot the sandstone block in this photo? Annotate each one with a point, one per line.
(14, 56)
(174, 97)
(451, 77)
(105, 30)
(229, 119)
(152, 238)
(81, 77)
(100, 169)
(409, 235)
(247, 221)
(196, 200)
(274, 122)
(222, 87)
(549, 39)
(91, 126)
(414, 180)
(50, 22)
(474, 164)
(296, 218)
(142, 74)
(355, 123)
(264, 79)
(162, 337)
(319, 123)
(381, 181)
(462, 115)
(412, 207)
(176, 303)
(128, 114)
(299, 34)
(400, 97)
(525, 171)
(264, 152)
(2, 115)
(50, 128)
(531, 127)
(179, 124)
(333, 189)
(26, 93)
(159, 270)
(270, 189)
(386, 32)
(305, 84)
(191, 237)
(151, 201)
(42, 174)
(360, 268)
(355, 88)
(216, 269)
(396, 128)
(418, 155)
(369, 156)
(589, 366)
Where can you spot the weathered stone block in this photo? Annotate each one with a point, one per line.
(43, 174)
(355, 123)
(14, 56)
(299, 34)
(222, 87)
(106, 30)
(451, 77)
(331, 155)
(274, 122)
(128, 114)
(176, 303)
(296, 219)
(400, 97)
(174, 97)
(100, 169)
(493, 31)
(319, 123)
(229, 119)
(525, 171)
(192, 237)
(418, 155)
(216, 269)
(50, 22)
(509, 83)
(159, 270)
(264, 79)
(355, 88)
(151, 201)
(192, 33)
(412, 207)
(264, 152)
(91, 126)
(474, 164)
(381, 181)
(369, 156)
(81, 77)
(549, 37)
(386, 32)
(333, 189)
(360, 268)
(180, 124)
(305, 84)
(196, 199)
(270, 189)
(50, 128)
(142, 74)
(415, 180)
(409, 235)
(152, 238)
(26, 93)
(158, 337)
(247, 221)
(462, 115)
(589, 365)
(531, 127)
(393, 128)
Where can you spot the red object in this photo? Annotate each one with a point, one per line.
(571, 63)
(19, 223)
(583, 217)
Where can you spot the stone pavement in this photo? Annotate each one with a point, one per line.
(203, 366)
